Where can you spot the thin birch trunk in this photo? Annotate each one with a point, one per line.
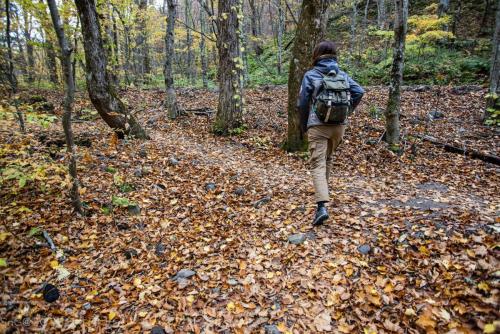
(203, 49)
(394, 102)
(171, 99)
(12, 75)
(68, 104)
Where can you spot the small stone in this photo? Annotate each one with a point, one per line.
(435, 114)
(87, 306)
(297, 239)
(240, 191)
(134, 209)
(143, 153)
(210, 186)
(262, 201)
(364, 249)
(232, 281)
(159, 249)
(271, 329)
(50, 293)
(158, 330)
(138, 172)
(173, 162)
(183, 274)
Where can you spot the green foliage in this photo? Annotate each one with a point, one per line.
(238, 131)
(121, 201)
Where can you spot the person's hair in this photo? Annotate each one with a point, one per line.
(324, 49)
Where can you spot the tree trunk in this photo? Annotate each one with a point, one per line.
(281, 28)
(309, 32)
(255, 28)
(171, 99)
(394, 102)
(456, 18)
(443, 7)
(11, 74)
(68, 103)
(203, 49)
(189, 43)
(354, 19)
(493, 100)
(101, 92)
(141, 47)
(52, 62)
(29, 47)
(381, 14)
(126, 46)
(230, 109)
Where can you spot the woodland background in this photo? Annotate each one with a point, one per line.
(153, 177)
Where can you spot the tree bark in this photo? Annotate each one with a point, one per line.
(12, 75)
(281, 28)
(170, 100)
(141, 45)
(493, 100)
(443, 7)
(101, 91)
(309, 32)
(29, 47)
(203, 49)
(52, 62)
(255, 28)
(230, 108)
(394, 102)
(191, 69)
(68, 104)
(354, 20)
(381, 14)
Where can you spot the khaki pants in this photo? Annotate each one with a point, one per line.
(323, 141)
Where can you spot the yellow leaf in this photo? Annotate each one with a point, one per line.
(282, 327)
(54, 264)
(190, 298)
(4, 235)
(230, 306)
(489, 328)
(142, 314)
(483, 286)
(111, 315)
(137, 282)
(270, 275)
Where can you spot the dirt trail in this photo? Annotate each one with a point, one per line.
(410, 243)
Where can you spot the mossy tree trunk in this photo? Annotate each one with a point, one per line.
(102, 93)
(493, 100)
(171, 99)
(230, 108)
(310, 30)
(68, 103)
(392, 126)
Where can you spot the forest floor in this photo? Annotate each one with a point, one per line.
(411, 246)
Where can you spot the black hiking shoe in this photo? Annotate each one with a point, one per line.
(321, 216)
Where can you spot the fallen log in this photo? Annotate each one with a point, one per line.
(204, 111)
(464, 151)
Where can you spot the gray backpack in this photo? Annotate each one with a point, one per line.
(332, 98)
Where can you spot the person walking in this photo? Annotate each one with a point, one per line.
(327, 97)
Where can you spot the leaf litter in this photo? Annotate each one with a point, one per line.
(426, 220)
